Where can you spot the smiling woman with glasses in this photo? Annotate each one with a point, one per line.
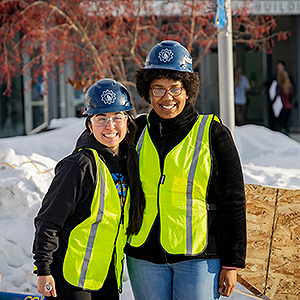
(193, 236)
(88, 213)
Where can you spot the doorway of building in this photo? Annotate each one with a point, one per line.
(256, 111)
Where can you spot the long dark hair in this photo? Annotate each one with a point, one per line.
(137, 197)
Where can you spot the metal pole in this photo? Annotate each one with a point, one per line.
(225, 59)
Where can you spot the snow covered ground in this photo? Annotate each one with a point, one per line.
(26, 170)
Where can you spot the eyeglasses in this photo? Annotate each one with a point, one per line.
(102, 121)
(175, 91)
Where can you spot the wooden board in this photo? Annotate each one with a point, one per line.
(273, 248)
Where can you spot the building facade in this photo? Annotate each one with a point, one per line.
(29, 110)
(259, 67)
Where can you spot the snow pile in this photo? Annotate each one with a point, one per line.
(56, 143)
(23, 182)
(268, 157)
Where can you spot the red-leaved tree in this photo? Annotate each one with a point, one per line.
(111, 38)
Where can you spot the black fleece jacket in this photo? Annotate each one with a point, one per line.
(227, 225)
(68, 200)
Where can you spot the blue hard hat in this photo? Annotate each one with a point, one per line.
(106, 95)
(169, 55)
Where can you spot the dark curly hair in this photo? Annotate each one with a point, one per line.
(144, 77)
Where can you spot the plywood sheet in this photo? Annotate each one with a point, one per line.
(273, 248)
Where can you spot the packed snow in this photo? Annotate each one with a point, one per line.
(26, 169)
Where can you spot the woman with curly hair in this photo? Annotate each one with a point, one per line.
(193, 236)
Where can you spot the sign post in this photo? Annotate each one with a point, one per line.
(225, 60)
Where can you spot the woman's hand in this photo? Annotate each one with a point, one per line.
(42, 282)
(227, 281)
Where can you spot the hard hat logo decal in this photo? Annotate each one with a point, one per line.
(188, 60)
(165, 55)
(108, 97)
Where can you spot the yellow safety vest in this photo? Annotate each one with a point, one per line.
(178, 191)
(101, 236)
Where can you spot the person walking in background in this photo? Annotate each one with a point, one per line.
(273, 93)
(284, 91)
(193, 236)
(80, 233)
(241, 88)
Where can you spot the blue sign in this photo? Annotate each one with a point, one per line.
(19, 296)
(220, 15)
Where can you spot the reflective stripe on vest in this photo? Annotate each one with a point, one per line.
(99, 238)
(178, 193)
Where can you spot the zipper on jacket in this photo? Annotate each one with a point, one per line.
(162, 179)
(161, 182)
(160, 129)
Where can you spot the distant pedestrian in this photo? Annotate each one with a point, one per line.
(274, 109)
(241, 88)
(282, 121)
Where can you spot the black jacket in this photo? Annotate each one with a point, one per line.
(68, 199)
(227, 225)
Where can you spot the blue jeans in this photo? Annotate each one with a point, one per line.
(195, 279)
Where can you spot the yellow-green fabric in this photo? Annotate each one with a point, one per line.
(177, 194)
(99, 238)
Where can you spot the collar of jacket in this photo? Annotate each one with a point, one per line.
(185, 118)
(86, 140)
